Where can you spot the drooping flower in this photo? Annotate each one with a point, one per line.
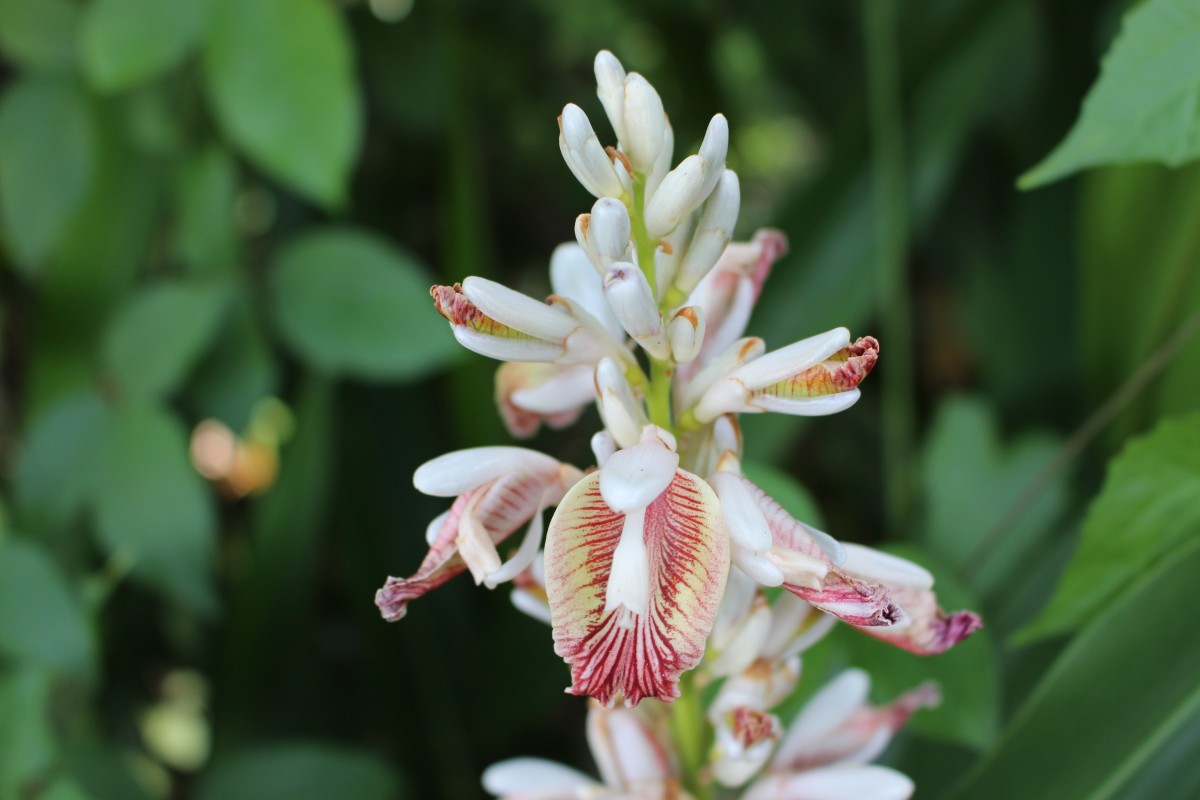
(497, 490)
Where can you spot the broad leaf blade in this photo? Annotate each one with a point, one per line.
(1146, 104)
(127, 42)
(41, 622)
(280, 76)
(1147, 509)
(349, 303)
(299, 772)
(1066, 742)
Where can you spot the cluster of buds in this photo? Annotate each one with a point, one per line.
(659, 555)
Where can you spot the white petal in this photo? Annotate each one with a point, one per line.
(747, 526)
(713, 232)
(740, 591)
(635, 476)
(727, 396)
(519, 776)
(746, 645)
(732, 317)
(879, 567)
(644, 123)
(608, 230)
(567, 389)
(760, 568)
(610, 87)
(572, 276)
(677, 196)
(686, 333)
(726, 437)
(632, 300)
(458, 472)
(797, 568)
(823, 713)
(732, 357)
(662, 164)
(531, 605)
(603, 446)
(524, 556)
(713, 150)
(505, 349)
(787, 361)
(585, 155)
(831, 546)
(518, 311)
(626, 752)
(865, 782)
(629, 580)
(820, 406)
(622, 413)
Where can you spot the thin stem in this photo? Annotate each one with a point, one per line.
(690, 728)
(641, 238)
(1082, 437)
(891, 224)
(658, 397)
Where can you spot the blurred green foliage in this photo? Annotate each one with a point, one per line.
(218, 223)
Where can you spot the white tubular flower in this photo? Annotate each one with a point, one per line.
(604, 234)
(686, 333)
(644, 123)
(713, 232)
(498, 489)
(633, 303)
(495, 321)
(813, 377)
(585, 156)
(623, 414)
(669, 253)
(745, 738)
(689, 184)
(738, 644)
(662, 164)
(738, 353)
(603, 446)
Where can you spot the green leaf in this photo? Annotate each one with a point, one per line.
(152, 506)
(281, 80)
(967, 673)
(1137, 250)
(1145, 106)
(41, 622)
(39, 34)
(62, 452)
(127, 42)
(26, 739)
(206, 239)
(972, 480)
(786, 490)
(1147, 508)
(45, 164)
(349, 303)
(299, 772)
(158, 335)
(1140, 654)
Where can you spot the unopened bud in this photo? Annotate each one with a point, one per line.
(644, 122)
(584, 154)
(686, 332)
(677, 196)
(623, 415)
(633, 303)
(610, 88)
(712, 233)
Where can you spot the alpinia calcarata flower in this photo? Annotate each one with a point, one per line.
(654, 564)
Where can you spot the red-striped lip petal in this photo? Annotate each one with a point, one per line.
(617, 653)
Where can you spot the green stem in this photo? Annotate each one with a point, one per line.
(690, 729)
(891, 223)
(641, 238)
(658, 395)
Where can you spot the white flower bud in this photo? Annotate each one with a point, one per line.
(644, 123)
(584, 154)
(605, 233)
(712, 233)
(634, 305)
(677, 196)
(610, 88)
(713, 150)
(686, 333)
(662, 164)
(623, 415)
